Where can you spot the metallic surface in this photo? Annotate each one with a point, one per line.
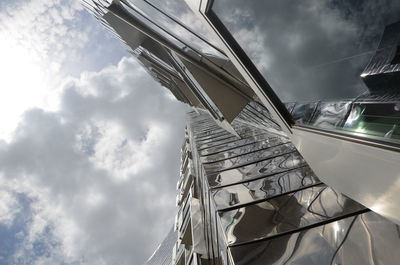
(257, 170)
(264, 188)
(285, 213)
(243, 150)
(266, 97)
(330, 159)
(163, 254)
(350, 165)
(364, 239)
(276, 210)
(246, 195)
(244, 159)
(261, 203)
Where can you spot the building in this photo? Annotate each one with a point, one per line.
(163, 254)
(291, 153)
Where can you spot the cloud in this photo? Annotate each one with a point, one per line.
(8, 207)
(100, 173)
(305, 51)
(43, 42)
(47, 29)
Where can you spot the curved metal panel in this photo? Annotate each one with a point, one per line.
(261, 189)
(285, 213)
(257, 170)
(366, 239)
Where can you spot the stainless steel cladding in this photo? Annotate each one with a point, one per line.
(291, 152)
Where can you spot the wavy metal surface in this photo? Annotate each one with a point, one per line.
(163, 254)
(244, 159)
(261, 189)
(257, 170)
(366, 239)
(243, 150)
(232, 145)
(285, 213)
(264, 205)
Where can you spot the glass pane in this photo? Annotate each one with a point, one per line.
(335, 63)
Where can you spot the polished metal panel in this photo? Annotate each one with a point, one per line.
(261, 212)
(253, 157)
(375, 119)
(242, 150)
(330, 115)
(369, 175)
(303, 112)
(210, 135)
(257, 170)
(257, 116)
(285, 213)
(264, 188)
(222, 247)
(242, 131)
(233, 145)
(204, 76)
(181, 32)
(260, 110)
(364, 116)
(217, 138)
(290, 106)
(197, 227)
(163, 254)
(348, 163)
(255, 187)
(216, 143)
(366, 239)
(182, 37)
(229, 98)
(261, 115)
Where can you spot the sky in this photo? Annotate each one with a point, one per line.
(89, 143)
(313, 51)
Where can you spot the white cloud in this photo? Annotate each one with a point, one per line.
(100, 172)
(89, 172)
(9, 206)
(42, 42)
(118, 154)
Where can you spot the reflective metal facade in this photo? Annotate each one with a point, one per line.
(373, 115)
(246, 194)
(163, 254)
(262, 204)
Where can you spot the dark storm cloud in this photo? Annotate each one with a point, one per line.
(301, 47)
